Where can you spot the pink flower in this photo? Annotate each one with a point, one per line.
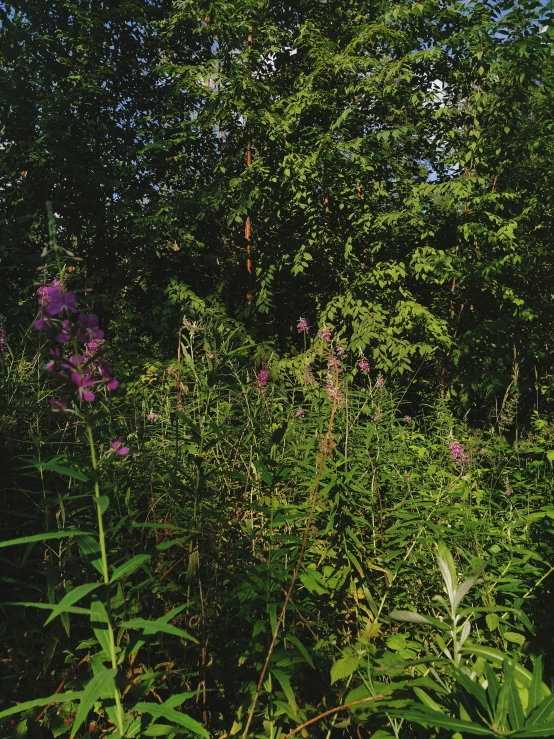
(309, 379)
(88, 329)
(326, 334)
(459, 456)
(118, 448)
(300, 413)
(262, 378)
(82, 383)
(302, 326)
(152, 416)
(363, 365)
(340, 351)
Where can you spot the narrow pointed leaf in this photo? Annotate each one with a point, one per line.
(102, 681)
(127, 568)
(287, 688)
(154, 627)
(542, 712)
(536, 687)
(163, 711)
(39, 702)
(463, 589)
(65, 534)
(439, 720)
(74, 596)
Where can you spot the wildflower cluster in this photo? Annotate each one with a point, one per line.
(302, 326)
(262, 378)
(459, 456)
(85, 369)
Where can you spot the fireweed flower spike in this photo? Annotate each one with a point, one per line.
(82, 372)
(3, 342)
(363, 365)
(459, 456)
(262, 378)
(302, 326)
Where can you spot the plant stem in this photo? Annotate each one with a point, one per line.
(105, 575)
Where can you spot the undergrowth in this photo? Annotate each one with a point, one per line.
(235, 543)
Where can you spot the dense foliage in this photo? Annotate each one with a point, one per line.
(276, 444)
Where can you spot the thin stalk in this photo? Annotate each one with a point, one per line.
(105, 574)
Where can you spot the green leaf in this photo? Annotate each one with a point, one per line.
(515, 709)
(39, 702)
(287, 688)
(514, 637)
(538, 730)
(104, 680)
(344, 667)
(497, 657)
(163, 711)
(90, 549)
(70, 598)
(543, 711)
(153, 627)
(536, 688)
(100, 624)
(43, 537)
(439, 720)
(129, 567)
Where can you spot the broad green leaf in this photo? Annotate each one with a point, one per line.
(74, 596)
(39, 702)
(127, 568)
(344, 667)
(102, 681)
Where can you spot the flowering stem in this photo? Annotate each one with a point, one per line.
(105, 573)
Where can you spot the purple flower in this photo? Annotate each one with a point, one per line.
(65, 334)
(459, 456)
(82, 383)
(106, 373)
(326, 334)
(333, 363)
(59, 405)
(88, 329)
(340, 351)
(117, 447)
(407, 418)
(3, 342)
(378, 413)
(262, 378)
(508, 492)
(300, 413)
(152, 416)
(302, 326)
(42, 323)
(92, 348)
(363, 365)
(59, 301)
